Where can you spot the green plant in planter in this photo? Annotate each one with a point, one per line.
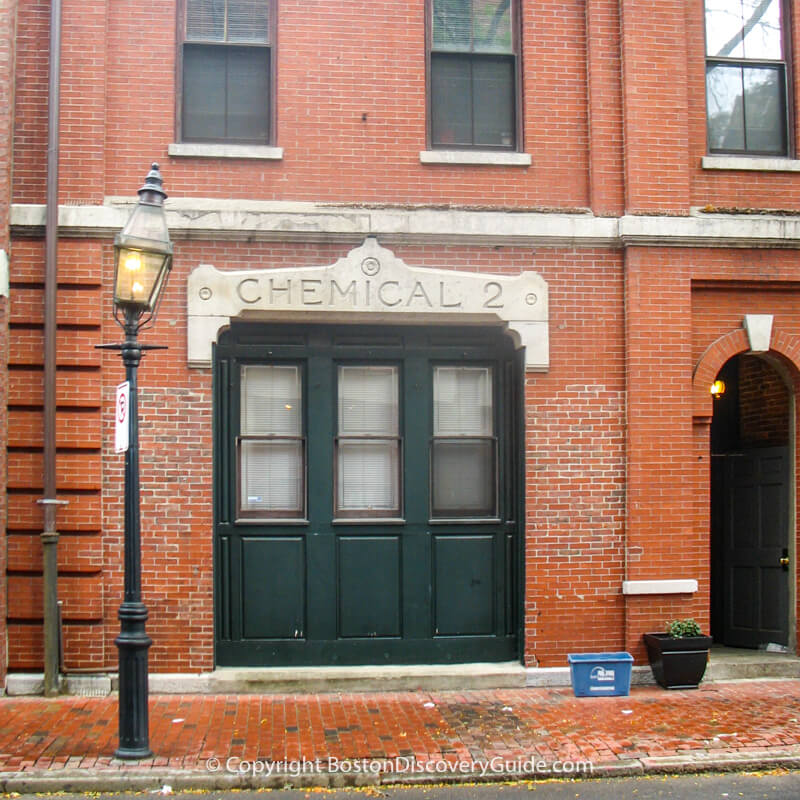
(681, 628)
(678, 657)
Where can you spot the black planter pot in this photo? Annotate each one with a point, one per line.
(677, 663)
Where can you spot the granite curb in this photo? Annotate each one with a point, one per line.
(131, 779)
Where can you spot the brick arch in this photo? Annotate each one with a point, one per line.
(723, 349)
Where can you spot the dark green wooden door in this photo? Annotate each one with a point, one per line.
(366, 495)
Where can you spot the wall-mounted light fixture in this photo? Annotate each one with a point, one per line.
(718, 388)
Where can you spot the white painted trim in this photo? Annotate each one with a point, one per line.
(751, 163)
(475, 157)
(194, 150)
(686, 586)
(4, 286)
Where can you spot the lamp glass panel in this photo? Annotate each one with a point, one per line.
(148, 222)
(139, 275)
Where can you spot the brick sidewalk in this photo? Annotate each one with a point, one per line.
(749, 722)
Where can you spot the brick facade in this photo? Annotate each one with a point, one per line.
(652, 262)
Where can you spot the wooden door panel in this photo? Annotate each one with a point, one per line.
(273, 588)
(369, 586)
(464, 585)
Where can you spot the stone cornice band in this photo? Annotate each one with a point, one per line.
(194, 218)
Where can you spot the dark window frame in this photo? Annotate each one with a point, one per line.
(270, 47)
(515, 57)
(785, 71)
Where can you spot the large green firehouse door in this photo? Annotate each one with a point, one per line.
(366, 499)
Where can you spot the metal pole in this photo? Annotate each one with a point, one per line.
(49, 536)
(132, 642)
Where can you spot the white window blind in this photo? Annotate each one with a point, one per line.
(368, 447)
(271, 475)
(472, 25)
(231, 21)
(462, 404)
(368, 474)
(271, 400)
(368, 401)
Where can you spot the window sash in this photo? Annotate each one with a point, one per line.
(368, 400)
(746, 30)
(473, 101)
(367, 477)
(228, 21)
(472, 26)
(226, 94)
(271, 479)
(738, 105)
(271, 400)
(464, 477)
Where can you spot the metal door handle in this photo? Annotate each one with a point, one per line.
(785, 559)
(784, 562)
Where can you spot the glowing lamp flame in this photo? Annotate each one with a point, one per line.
(133, 262)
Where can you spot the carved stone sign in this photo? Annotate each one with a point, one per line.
(370, 284)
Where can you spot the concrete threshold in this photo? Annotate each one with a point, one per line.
(296, 680)
(725, 664)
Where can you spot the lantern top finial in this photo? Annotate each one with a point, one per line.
(152, 191)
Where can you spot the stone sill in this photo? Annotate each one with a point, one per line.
(475, 157)
(686, 586)
(753, 164)
(194, 150)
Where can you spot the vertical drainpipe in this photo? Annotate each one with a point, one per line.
(49, 536)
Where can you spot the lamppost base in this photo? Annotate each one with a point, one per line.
(132, 753)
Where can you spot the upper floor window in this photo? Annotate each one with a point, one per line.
(227, 58)
(473, 74)
(746, 77)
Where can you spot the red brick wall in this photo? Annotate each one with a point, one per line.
(667, 530)
(616, 463)
(763, 405)
(8, 11)
(655, 99)
(575, 462)
(78, 460)
(327, 80)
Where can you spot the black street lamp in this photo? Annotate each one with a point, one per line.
(143, 259)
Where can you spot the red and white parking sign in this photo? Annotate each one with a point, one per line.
(121, 417)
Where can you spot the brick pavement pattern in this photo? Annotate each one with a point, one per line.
(754, 718)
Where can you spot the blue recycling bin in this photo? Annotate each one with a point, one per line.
(600, 674)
